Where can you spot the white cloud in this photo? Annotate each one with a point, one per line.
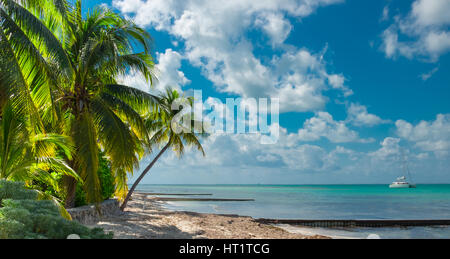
(390, 149)
(267, 158)
(357, 115)
(134, 79)
(428, 75)
(245, 150)
(431, 136)
(385, 14)
(275, 26)
(426, 30)
(214, 35)
(160, 12)
(240, 158)
(323, 125)
(168, 74)
(301, 78)
(337, 82)
(306, 157)
(169, 64)
(431, 12)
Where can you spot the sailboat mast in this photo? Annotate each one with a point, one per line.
(405, 166)
(409, 174)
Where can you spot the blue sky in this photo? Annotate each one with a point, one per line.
(361, 84)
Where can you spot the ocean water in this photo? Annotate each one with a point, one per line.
(325, 202)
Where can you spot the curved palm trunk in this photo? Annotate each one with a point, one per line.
(130, 192)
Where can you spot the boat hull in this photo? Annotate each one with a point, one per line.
(402, 186)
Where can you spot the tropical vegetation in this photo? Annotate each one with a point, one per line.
(25, 156)
(69, 129)
(22, 215)
(65, 71)
(92, 108)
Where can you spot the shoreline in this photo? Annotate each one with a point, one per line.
(145, 218)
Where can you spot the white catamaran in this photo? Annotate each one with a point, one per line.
(401, 182)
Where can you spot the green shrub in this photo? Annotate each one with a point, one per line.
(23, 216)
(106, 183)
(11, 229)
(46, 207)
(9, 190)
(106, 178)
(80, 196)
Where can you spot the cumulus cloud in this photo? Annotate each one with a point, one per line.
(390, 149)
(240, 158)
(245, 150)
(215, 40)
(169, 64)
(301, 78)
(431, 136)
(276, 26)
(160, 12)
(167, 70)
(425, 28)
(359, 116)
(323, 125)
(431, 12)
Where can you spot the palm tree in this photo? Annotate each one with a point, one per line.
(58, 71)
(28, 48)
(170, 128)
(29, 157)
(25, 157)
(91, 107)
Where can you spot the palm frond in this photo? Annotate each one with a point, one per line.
(14, 85)
(192, 140)
(37, 30)
(57, 202)
(121, 182)
(139, 100)
(127, 113)
(116, 137)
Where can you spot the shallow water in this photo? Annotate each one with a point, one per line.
(435, 232)
(325, 202)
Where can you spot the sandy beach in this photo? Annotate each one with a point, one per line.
(145, 218)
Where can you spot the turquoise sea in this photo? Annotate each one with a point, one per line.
(325, 202)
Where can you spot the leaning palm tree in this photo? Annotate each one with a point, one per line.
(90, 106)
(170, 128)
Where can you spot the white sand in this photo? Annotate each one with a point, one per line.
(145, 218)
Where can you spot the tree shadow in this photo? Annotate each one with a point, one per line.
(143, 220)
(144, 230)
